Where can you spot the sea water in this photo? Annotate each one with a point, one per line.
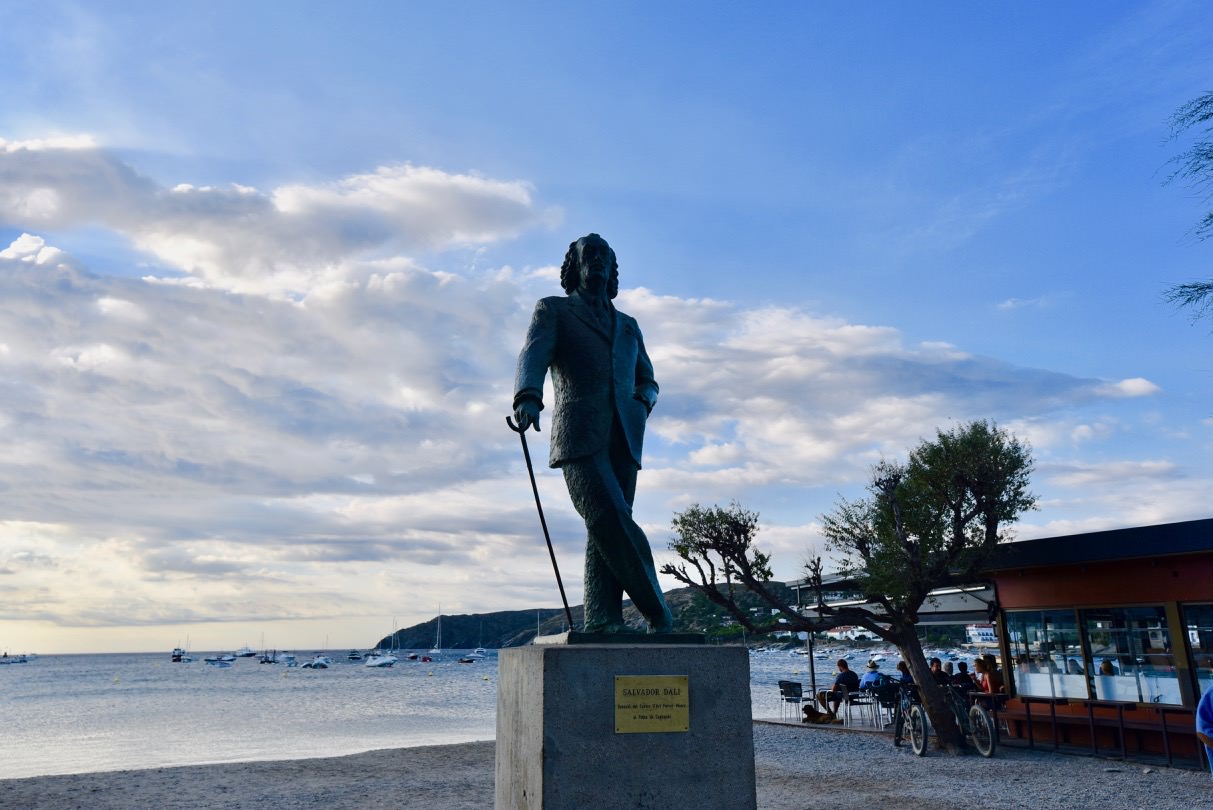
(82, 713)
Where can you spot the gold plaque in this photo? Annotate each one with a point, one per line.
(649, 703)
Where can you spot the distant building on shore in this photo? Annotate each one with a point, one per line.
(982, 635)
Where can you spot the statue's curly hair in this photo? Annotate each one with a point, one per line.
(569, 274)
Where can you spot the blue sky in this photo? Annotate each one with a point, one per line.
(265, 272)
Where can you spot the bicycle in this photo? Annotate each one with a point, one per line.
(974, 720)
(909, 715)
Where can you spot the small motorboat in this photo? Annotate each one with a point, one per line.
(385, 660)
(319, 662)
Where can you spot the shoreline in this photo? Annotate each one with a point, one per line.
(798, 767)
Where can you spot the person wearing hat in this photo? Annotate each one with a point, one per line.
(872, 677)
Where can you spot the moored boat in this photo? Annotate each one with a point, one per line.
(319, 662)
(438, 636)
(382, 660)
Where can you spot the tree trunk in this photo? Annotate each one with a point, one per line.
(941, 716)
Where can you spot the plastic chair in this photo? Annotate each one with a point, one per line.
(862, 699)
(886, 697)
(791, 693)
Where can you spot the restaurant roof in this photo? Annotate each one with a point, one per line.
(1164, 539)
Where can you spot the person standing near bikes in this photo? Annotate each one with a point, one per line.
(1204, 723)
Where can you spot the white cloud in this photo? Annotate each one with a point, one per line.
(285, 242)
(311, 416)
(1092, 476)
(58, 142)
(30, 248)
(1133, 387)
(1021, 303)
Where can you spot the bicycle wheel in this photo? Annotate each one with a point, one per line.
(899, 725)
(983, 731)
(918, 730)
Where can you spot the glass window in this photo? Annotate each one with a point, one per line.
(1131, 654)
(1198, 619)
(1047, 653)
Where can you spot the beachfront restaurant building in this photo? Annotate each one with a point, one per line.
(1105, 638)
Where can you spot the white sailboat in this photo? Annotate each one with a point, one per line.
(438, 637)
(180, 655)
(480, 651)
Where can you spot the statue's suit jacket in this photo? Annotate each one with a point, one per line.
(597, 376)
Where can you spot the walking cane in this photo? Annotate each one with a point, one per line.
(526, 453)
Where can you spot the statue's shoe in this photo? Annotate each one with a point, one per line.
(666, 623)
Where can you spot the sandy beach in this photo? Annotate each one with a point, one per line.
(797, 768)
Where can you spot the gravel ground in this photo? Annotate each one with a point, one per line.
(820, 767)
(798, 768)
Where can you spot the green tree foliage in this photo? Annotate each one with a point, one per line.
(934, 519)
(927, 523)
(1194, 168)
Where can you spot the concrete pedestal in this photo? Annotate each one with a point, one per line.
(558, 744)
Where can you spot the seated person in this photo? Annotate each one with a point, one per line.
(845, 678)
(937, 674)
(990, 680)
(873, 677)
(904, 675)
(1107, 668)
(962, 680)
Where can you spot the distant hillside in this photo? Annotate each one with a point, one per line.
(507, 628)
(514, 628)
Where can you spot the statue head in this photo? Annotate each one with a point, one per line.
(571, 269)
